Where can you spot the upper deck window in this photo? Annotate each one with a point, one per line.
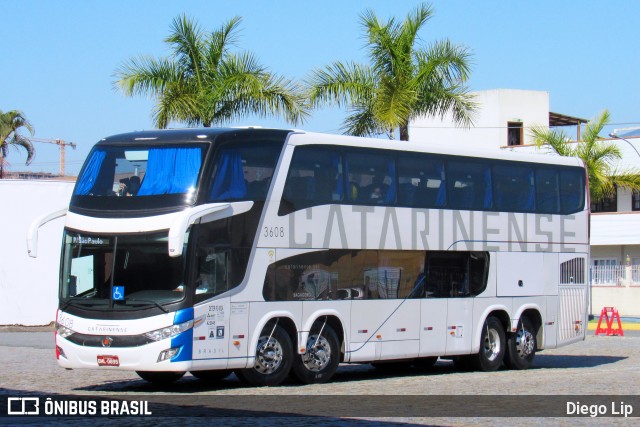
(243, 171)
(428, 181)
(155, 176)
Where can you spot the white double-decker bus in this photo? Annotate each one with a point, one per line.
(270, 252)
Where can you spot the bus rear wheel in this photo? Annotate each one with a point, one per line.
(321, 358)
(492, 346)
(273, 359)
(521, 346)
(160, 377)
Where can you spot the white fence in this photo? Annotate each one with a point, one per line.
(614, 275)
(29, 286)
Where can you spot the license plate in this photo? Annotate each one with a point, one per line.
(108, 361)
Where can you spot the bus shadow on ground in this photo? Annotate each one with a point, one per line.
(346, 373)
(552, 361)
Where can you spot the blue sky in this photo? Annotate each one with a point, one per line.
(58, 57)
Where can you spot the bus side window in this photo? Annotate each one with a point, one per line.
(314, 179)
(243, 172)
(467, 185)
(421, 181)
(572, 191)
(371, 178)
(514, 188)
(455, 274)
(547, 191)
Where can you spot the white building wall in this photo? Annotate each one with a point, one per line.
(29, 286)
(626, 299)
(624, 200)
(495, 109)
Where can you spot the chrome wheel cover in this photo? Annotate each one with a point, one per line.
(318, 353)
(491, 345)
(524, 343)
(268, 355)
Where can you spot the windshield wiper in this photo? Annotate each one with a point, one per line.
(80, 302)
(146, 301)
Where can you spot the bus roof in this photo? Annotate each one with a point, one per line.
(301, 137)
(187, 135)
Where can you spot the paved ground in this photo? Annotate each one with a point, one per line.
(597, 366)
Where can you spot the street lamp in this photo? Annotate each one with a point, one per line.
(615, 135)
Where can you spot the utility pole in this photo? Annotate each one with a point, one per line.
(61, 144)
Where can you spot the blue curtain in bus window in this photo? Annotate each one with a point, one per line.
(336, 163)
(390, 197)
(531, 200)
(88, 179)
(352, 188)
(228, 182)
(170, 171)
(488, 189)
(441, 199)
(188, 161)
(158, 176)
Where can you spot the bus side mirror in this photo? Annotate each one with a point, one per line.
(210, 212)
(32, 233)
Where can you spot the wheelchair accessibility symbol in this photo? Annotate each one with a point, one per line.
(118, 293)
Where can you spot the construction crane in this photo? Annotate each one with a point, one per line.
(61, 144)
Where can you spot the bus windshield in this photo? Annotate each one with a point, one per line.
(139, 176)
(120, 272)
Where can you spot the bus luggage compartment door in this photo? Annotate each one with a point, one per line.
(520, 274)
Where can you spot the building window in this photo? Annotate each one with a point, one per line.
(635, 201)
(514, 133)
(607, 204)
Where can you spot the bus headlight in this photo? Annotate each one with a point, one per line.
(168, 354)
(63, 331)
(169, 331)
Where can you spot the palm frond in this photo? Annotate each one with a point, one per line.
(413, 23)
(11, 125)
(188, 43)
(177, 103)
(627, 178)
(221, 40)
(147, 76)
(362, 122)
(341, 84)
(394, 103)
(595, 126)
(556, 141)
(250, 88)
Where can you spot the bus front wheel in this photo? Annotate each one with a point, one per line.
(321, 358)
(273, 359)
(160, 377)
(492, 346)
(521, 345)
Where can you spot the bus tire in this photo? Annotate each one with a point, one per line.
(273, 360)
(521, 346)
(321, 358)
(492, 346)
(211, 376)
(160, 377)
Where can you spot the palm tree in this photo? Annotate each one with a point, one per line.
(11, 124)
(401, 82)
(599, 157)
(203, 83)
